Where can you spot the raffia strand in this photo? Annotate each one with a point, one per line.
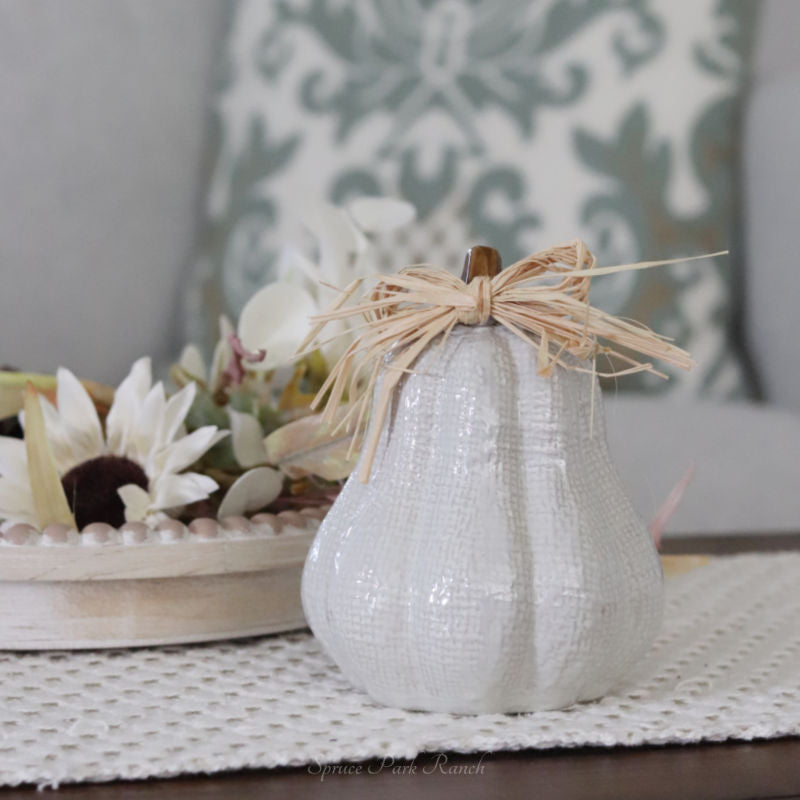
(543, 299)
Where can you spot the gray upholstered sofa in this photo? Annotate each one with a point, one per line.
(102, 165)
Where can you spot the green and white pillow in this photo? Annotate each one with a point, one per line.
(519, 124)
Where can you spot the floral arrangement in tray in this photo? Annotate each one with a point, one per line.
(231, 437)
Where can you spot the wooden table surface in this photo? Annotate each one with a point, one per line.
(735, 770)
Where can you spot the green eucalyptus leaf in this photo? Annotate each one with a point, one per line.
(244, 400)
(221, 457)
(270, 418)
(205, 411)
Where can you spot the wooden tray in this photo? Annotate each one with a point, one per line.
(133, 587)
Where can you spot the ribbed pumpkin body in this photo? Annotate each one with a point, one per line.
(493, 562)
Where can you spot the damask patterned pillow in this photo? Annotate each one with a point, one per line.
(519, 124)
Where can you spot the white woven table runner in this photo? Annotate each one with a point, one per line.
(726, 666)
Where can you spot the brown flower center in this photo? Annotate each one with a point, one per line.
(91, 489)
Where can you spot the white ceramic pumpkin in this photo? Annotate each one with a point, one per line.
(493, 562)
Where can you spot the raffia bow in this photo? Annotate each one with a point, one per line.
(543, 299)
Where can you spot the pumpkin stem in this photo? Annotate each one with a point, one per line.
(481, 261)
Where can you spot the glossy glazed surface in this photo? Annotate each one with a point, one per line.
(493, 562)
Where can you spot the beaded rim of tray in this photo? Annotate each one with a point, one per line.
(132, 586)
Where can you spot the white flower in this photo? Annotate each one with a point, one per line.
(193, 364)
(132, 472)
(255, 489)
(275, 319)
(247, 439)
(261, 484)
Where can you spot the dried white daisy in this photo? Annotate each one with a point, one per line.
(132, 471)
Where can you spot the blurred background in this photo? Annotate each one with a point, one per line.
(156, 155)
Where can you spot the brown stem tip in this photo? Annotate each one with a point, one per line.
(481, 260)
